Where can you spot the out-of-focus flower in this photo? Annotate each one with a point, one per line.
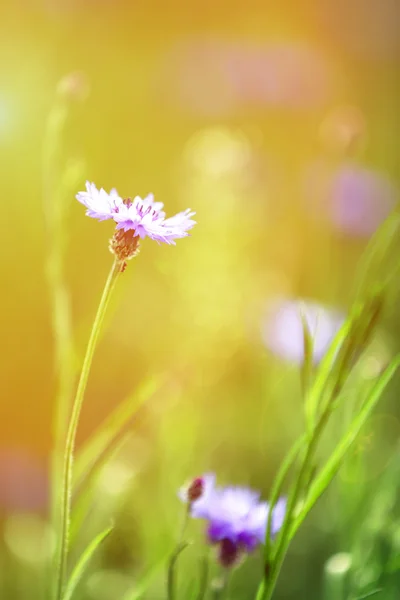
(237, 520)
(23, 482)
(353, 199)
(142, 216)
(215, 77)
(283, 334)
(284, 75)
(360, 200)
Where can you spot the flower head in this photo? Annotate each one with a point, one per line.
(236, 519)
(142, 216)
(283, 328)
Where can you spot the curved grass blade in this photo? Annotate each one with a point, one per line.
(171, 569)
(324, 372)
(377, 249)
(83, 562)
(330, 469)
(141, 587)
(369, 595)
(308, 346)
(84, 501)
(204, 571)
(98, 443)
(277, 487)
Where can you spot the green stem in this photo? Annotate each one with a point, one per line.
(66, 491)
(276, 490)
(267, 587)
(54, 204)
(180, 547)
(203, 578)
(221, 591)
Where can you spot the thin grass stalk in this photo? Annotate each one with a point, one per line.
(66, 491)
(267, 588)
(60, 310)
(276, 491)
(180, 547)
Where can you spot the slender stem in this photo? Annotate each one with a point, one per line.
(55, 205)
(181, 545)
(276, 490)
(221, 590)
(268, 585)
(203, 578)
(66, 492)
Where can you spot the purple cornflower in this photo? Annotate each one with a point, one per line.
(141, 216)
(237, 520)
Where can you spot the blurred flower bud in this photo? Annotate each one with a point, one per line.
(195, 489)
(74, 87)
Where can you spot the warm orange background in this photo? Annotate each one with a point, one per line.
(162, 117)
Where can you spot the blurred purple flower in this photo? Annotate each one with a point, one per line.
(236, 518)
(143, 217)
(214, 77)
(23, 482)
(284, 75)
(282, 330)
(360, 200)
(353, 199)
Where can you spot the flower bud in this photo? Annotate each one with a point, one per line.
(195, 489)
(124, 245)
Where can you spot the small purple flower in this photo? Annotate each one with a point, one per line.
(353, 199)
(360, 200)
(283, 328)
(237, 520)
(141, 216)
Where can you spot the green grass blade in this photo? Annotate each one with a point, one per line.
(83, 562)
(324, 372)
(369, 595)
(323, 479)
(370, 265)
(277, 488)
(84, 501)
(141, 587)
(98, 443)
(308, 363)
